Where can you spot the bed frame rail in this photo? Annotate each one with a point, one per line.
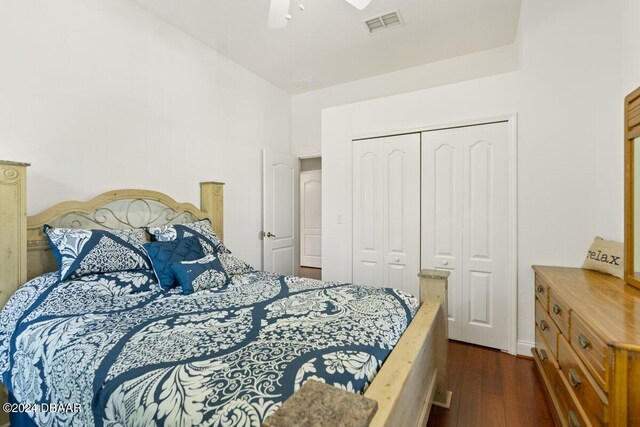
(415, 375)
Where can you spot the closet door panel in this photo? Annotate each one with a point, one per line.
(401, 189)
(441, 220)
(464, 227)
(367, 214)
(386, 212)
(480, 184)
(485, 256)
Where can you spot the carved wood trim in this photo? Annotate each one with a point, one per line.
(13, 227)
(212, 202)
(631, 132)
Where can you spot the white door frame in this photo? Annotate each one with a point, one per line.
(512, 120)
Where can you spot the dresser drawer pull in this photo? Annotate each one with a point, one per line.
(539, 289)
(584, 341)
(573, 420)
(543, 355)
(544, 325)
(556, 309)
(574, 378)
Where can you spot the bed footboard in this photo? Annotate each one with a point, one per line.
(415, 374)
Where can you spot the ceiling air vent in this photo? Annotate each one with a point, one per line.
(384, 22)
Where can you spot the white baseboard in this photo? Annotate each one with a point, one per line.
(524, 347)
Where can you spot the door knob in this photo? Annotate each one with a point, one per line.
(445, 262)
(397, 259)
(268, 234)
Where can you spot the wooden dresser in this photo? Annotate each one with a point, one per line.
(588, 346)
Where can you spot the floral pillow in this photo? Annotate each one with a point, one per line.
(201, 274)
(83, 252)
(201, 229)
(234, 265)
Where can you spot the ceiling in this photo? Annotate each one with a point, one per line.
(329, 41)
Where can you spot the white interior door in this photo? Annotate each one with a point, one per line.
(386, 212)
(280, 189)
(311, 218)
(465, 227)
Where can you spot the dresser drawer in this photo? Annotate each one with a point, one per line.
(591, 349)
(592, 400)
(571, 414)
(547, 359)
(547, 327)
(542, 292)
(559, 312)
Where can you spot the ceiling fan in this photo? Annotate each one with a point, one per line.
(279, 11)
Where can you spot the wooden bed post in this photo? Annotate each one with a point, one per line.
(211, 201)
(13, 228)
(414, 376)
(434, 288)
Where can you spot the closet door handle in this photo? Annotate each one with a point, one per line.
(544, 325)
(574, 378)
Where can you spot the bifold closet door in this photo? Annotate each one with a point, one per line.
(386, 212)
(465, 227)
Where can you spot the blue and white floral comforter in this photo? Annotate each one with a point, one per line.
(132, 355)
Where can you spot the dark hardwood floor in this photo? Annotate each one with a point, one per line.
(492, 389)
(310, 272)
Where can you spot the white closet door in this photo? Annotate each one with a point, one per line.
(442, 214)
(386, 212)
(465, 227)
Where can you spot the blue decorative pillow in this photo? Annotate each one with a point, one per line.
(201, 274)
(201, 229)
(163, 254)
(85, 252)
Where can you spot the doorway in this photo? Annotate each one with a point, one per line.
(311, 218)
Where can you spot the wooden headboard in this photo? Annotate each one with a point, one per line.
(24, 249)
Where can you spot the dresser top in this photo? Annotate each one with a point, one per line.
(610, 306)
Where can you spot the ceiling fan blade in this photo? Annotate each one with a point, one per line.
(359, 4)
(277, 12)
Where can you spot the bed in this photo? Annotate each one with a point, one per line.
(122, 352)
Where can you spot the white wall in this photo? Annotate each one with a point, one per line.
(631, 45)
(306, 107)
(100, 94)
(568, 96)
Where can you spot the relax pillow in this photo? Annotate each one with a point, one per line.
(83, 252)
(605, 256)
(201, 229)
(201, 274)
(163, 254)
